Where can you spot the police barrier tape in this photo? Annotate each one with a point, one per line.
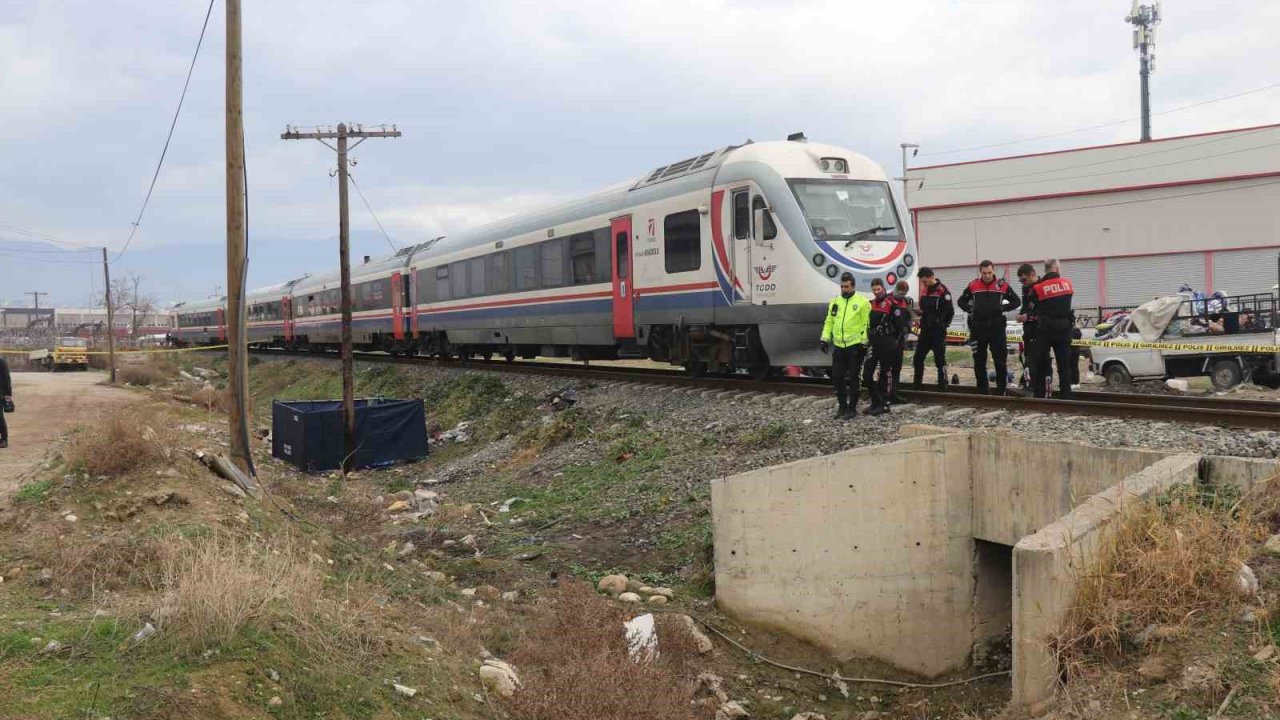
(1135, 345)
(21, 351)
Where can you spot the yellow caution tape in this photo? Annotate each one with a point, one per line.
(17, 351)
(1136, 345)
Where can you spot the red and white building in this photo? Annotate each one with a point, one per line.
(1129, 221)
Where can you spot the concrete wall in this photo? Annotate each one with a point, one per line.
(866, 552)
(1048, 564)
(1020, 485)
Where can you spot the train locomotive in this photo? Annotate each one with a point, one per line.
(723, 262)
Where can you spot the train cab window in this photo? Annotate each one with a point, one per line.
(458, 279)
(553, 263)
(442, 283)
(527, 268)
(742, 215)
(623, 255)
(682, 241)
(770, 230)
(582, 258)
(475, 275)
(500, 272)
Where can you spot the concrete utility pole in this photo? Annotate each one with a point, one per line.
(342, 134)
(237, 355)
(111, 333)
(914, 149)
(36, 294)
(1144, 19)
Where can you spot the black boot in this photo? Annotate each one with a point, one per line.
(942, 380)
(878, 410)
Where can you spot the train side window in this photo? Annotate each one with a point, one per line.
(500, 272)
(475, 272)
(742, 215)
(553, 263)
(603, 258)
(770, 230)
(527, 267)
(442, 283)
(380, 294)
(458, 280)
(582, 258)
(682, 241)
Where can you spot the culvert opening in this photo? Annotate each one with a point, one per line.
(993, 606)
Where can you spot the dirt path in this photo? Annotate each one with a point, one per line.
(49, 403)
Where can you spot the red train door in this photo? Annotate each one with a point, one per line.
(413, 301)
(624, 319)
(286, 314)
(397, 307)
(222, 324)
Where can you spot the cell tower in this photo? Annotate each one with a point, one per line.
(1144, 19)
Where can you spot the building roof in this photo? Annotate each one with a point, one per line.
(1245, 153)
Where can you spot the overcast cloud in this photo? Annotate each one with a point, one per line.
(509, 105)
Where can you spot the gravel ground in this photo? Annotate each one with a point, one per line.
(727, 432)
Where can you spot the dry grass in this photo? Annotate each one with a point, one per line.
(574, 665)
(211, 399)
(215, 586)
(119, 442)
(1169, 561)
(145, 373)
(86, 567)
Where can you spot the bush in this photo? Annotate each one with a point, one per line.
(1166, 562)
(119, 442)
(574, 665)
(140, 375)
(215, 586)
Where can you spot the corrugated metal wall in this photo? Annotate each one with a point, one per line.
(1084, 278)
(1239, 272)
(1133, 281)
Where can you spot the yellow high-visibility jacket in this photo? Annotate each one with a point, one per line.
(847, 321)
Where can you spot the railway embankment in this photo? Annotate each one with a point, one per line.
(386, 592)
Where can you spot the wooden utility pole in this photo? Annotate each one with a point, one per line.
(237, 356)
(344, 259)
(111, 333)
(36, 294)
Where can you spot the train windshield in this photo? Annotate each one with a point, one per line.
(848, 209)
(73, 342)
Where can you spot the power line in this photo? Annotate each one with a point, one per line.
(172, 125)
(1114, 123)
(48, 261)
(1100, 205)
(35, 250)
(359, 192)
(41, 236)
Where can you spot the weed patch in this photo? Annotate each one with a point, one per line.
(768, 436)
(33, 492)
(119, 442)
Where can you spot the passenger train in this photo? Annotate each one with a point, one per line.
(722, 262)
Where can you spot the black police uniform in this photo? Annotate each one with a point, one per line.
(6, 389)
(887, 319)
(936, 312)
(1030, 339)
(1050, 302)
(900, 349)
(986, 303)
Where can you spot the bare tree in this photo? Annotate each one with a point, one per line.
(126, 295)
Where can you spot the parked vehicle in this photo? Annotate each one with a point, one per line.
(68, 353)
(1213, 339)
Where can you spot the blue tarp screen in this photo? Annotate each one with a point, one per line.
(308, 433)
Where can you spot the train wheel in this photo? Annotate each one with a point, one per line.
(695, 368)
(762, 370)
(510, 356)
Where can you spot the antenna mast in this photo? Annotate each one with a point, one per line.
(1144, 19)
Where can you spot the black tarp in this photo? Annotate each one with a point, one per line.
(308, 433)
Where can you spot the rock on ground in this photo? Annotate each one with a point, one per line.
(499, 677)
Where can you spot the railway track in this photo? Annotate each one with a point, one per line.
(1227, 412)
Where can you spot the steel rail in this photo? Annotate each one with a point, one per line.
(1227, 412)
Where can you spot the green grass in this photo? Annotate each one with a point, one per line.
(33, 492)
(767, 436)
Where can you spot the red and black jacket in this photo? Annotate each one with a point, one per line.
(987, 303)
(889, 317)
(1050, 302)
(936, 310)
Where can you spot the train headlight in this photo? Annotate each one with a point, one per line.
(834, 165)
(832, 271)
(819, 260)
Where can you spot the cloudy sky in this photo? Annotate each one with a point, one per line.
(506, 106)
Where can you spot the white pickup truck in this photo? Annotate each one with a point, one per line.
(1228, 346)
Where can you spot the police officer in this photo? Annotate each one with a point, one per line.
(903, 300)
(986, 299)
(1050, 303)
(887, 318)
(844, 335)
(936, 312)
(1030, 323)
